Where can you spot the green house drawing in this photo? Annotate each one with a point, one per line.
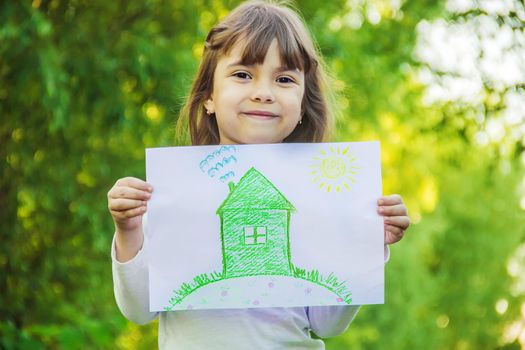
(255, 228)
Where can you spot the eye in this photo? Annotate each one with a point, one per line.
(285, 80)
(241, 75)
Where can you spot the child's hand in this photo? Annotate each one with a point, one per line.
(395, 217)
(127, 202)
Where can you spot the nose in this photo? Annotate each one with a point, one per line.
(262, 92)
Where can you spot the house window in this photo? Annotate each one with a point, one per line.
(254, 235)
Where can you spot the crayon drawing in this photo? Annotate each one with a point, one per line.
(248, 226)
(334, 170)
(219, 163)
(255, 236)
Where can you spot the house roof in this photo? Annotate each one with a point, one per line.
(254, 191)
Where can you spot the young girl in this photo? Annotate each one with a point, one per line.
(260, 81)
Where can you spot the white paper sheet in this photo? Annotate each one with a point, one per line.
(276, 225)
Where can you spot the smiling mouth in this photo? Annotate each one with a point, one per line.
(260, 114)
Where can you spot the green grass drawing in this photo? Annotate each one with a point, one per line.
(255, 239)
(330, 282)
(186, 289)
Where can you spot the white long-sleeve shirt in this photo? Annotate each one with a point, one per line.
(229, 329)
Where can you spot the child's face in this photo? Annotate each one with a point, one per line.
(255, 104)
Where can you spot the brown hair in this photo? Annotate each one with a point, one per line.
(258, 23)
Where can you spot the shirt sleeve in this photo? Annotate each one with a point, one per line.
(331, 321)
(131, 287)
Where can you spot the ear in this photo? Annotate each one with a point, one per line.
(209, 105)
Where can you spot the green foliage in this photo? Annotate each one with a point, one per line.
(83, 89)
(86, 86)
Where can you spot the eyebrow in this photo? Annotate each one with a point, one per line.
(279, 69)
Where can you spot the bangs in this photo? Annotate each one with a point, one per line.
(257, 29)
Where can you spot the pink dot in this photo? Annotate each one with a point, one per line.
(256, 302)
(271, 285)
(224, 293)
(190, 307)
(339, 300)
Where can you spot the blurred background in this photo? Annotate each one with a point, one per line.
(85, 86)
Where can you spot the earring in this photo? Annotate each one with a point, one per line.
(300, 121)
(208, 112)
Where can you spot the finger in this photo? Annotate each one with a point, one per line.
(128, 193)
(128, 214)
(134, 183)
(122, 204)
(393, 234)
(393, 210)
(390, 200)
(399, 221)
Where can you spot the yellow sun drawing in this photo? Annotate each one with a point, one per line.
(334, 170)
